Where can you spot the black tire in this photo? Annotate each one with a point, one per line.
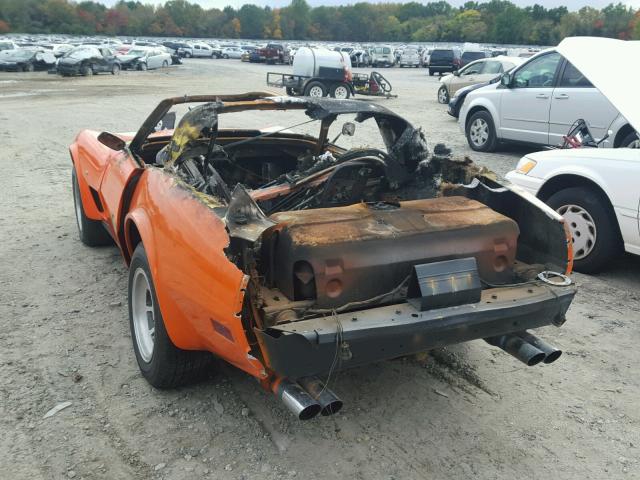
(187, 55)
(443, 95)
(143, 67)
(491, 141)
(29, 67)
(225, 56)
(169, 366)
(314, 87)
(607, 239)
(431, 72)
(290, 91)
(632, 140)
(342, 90)
(86, 71)
(115, 70)
(91, 232)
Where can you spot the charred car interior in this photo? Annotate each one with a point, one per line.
(350, 256)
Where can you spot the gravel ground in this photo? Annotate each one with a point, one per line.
(469, 411)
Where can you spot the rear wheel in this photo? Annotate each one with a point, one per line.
(443, 95)
(143, 67)
(162, 363)
(91, 232)
(630, 141)
(225, 56)
(87, 71)
(340, 91)
(481, 133)
(315, 89)
(593, 228)
(115, 70)
(28, 67)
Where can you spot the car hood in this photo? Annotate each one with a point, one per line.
(610, 66)
(574, 156)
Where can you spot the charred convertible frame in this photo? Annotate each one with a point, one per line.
(353, 256)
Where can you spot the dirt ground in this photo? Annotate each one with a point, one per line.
(470, 411)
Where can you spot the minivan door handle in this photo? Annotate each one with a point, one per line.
(542, 95)
(562, 96)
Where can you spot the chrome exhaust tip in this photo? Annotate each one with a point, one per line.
(518, 348)
(297, 400)
(551, 353)
(329, 401)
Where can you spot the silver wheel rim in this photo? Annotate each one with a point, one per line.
(316, 91)
(479, 132)
(341, 92)
(77, 205)
(142, 311)
(583, 229)
(442, 96)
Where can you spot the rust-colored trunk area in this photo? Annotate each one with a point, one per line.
(348, 254)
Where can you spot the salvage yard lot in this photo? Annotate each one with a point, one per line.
(470, 411)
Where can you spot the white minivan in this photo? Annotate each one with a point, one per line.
(537, 103)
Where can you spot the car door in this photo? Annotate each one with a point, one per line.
(105, 60)
(466, 76)
(525, 104)
(574, 98)
(155, 59)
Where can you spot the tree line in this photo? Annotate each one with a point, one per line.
(495, 21)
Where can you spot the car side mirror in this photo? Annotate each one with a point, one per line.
(349, 129)
(505, 80)
(456, 73)
(111, 141)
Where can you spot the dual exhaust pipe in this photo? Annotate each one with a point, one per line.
(307, 397)
(527, 348)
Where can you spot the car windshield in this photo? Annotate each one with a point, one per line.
(82, 53)
(410, 51)
(137, 53)
(16, 54)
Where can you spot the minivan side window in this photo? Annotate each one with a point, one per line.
(537, 73)
(572, 78)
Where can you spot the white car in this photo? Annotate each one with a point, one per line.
(232, 52)
(200, 50)
(596, 190)
(409, 58)
(480, 71)
(537, 103)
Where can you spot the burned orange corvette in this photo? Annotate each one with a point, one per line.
(291, 255)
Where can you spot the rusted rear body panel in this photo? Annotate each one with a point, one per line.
(364, 250)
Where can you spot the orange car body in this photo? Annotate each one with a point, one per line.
(200, 291)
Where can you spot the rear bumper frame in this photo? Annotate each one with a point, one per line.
(312, 346)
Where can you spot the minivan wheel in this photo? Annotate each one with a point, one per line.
(443, 95)
(593, 229)
(481, 133)
(630, 141)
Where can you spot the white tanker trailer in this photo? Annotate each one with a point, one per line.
(319, 72)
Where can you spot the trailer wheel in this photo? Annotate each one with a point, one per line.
(290, 91)
(340, 91)
(315, 89)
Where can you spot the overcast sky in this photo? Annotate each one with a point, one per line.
(570, 4)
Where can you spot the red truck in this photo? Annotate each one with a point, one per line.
(272, 53)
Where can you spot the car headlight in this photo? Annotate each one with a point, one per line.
(525, 166)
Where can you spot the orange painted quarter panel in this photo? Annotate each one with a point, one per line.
(199, 290)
